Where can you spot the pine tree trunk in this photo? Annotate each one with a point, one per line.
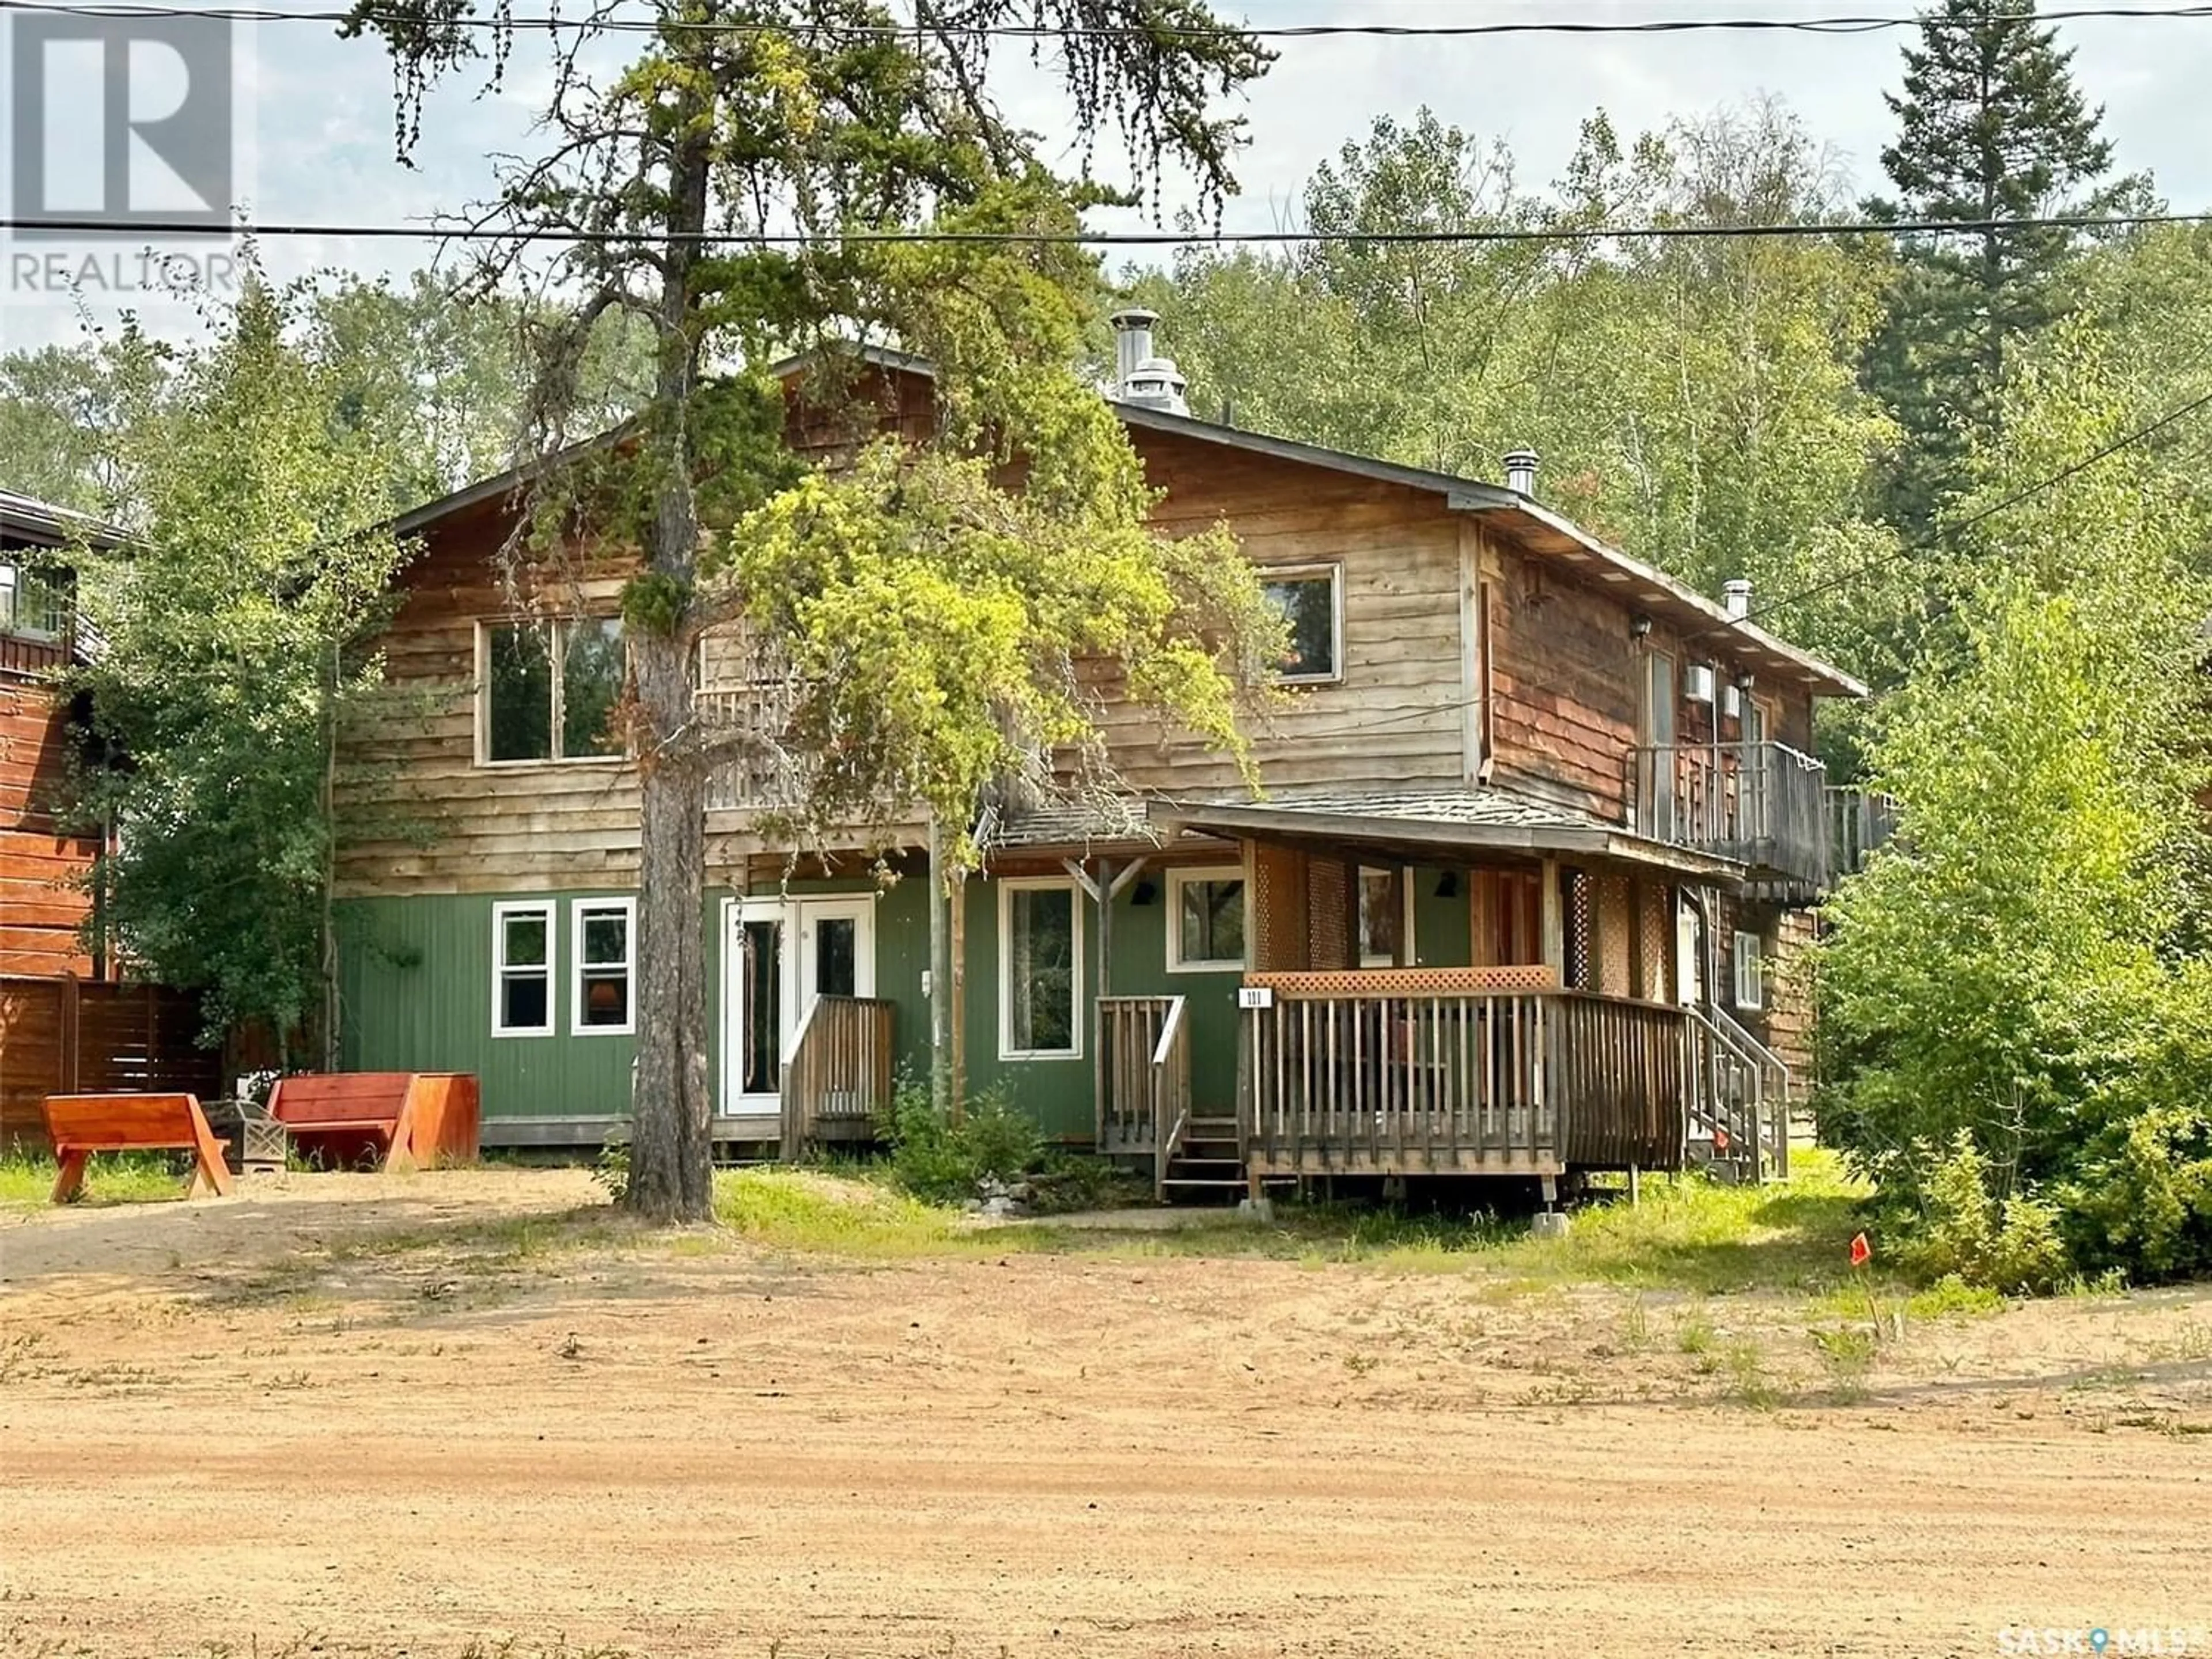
(671, 1152)
(670, 1166)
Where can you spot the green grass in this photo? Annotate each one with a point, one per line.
(28, 1182)
(804, 1211)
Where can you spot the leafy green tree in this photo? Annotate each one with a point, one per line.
(837, 121)
(1991, 126)
(2012, 988)
(226, 628)
(56, 403)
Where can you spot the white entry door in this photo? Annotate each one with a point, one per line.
(778, 956)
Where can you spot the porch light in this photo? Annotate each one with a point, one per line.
(1143, 893)
(1639, 626)
(1448, 885)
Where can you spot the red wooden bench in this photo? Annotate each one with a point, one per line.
(81, 1125)
(402, 1119)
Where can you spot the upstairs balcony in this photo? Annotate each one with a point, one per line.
(1764, 804)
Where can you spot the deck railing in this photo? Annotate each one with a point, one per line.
(763, 775)
(1764, 804)
(1860, 822)
(1741, 1087)
(836, 1072)
(1387, 1080)
(1144, 1078)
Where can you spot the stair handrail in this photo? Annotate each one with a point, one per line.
(1171, 1093)
(1779, 1097)
(1744, 1126)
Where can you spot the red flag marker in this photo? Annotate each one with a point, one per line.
(1861, 1250)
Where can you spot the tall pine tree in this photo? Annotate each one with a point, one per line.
(1991, 126)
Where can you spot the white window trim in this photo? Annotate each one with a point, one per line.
(1405, 874)
(577, 908)
(1179, 879)
(1008, 886)
(1335, 571)
(550, 912)
(559, 647)
(1750, 952)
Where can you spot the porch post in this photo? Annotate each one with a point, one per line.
(940, 976)
(956, 1014)
(1553, 922)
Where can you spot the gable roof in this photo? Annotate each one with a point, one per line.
(1532, 526)
(25, 518)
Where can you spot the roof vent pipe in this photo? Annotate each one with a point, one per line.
(1735, 594)
(1520, 471)
(1132, 341)
(1139, 377)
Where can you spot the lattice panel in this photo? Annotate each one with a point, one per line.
(1330, 919)
(1278, 914)
(1577, 912)
(1407, 981)
(1616, 935)
(1655, 932)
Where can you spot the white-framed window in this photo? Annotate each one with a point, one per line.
(1206, 920)
(546, 692)
(1310, 598)
(1040, 969)
(1386, 917)
(1750, 977)
(523, 938)
(602, 996)
(31, 603)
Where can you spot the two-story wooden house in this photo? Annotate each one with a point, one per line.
(1538, 819)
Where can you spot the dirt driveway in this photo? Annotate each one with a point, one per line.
(348, 1417)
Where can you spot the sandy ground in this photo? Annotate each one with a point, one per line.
(265, 1426)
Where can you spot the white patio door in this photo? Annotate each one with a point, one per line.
(778, 956)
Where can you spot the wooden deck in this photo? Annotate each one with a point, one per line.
(1397, 1077)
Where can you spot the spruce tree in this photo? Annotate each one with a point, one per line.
(1991, 126)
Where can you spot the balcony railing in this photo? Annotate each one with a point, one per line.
(1763, 805)
(763, 776)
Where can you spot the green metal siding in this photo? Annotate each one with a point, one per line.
(1442, 932)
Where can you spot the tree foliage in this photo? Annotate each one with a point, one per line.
(1991, 126)
(2016, 983)
(222, 665)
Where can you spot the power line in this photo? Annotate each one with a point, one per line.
(1846, 25)
(1637, 233)
(1938, 543)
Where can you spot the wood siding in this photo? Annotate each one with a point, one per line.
(1456, 646)
(1397, 713)
(42, 907)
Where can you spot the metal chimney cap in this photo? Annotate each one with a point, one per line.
(1133, 317)
(1735, 595)
(1520, 471)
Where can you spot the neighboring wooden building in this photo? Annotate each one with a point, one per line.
(66, 1021)
(1538, 818)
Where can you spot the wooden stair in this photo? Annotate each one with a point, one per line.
(1208, 1165)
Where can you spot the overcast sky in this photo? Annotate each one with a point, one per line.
(320, 109)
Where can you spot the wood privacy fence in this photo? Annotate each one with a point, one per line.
(61, 1037)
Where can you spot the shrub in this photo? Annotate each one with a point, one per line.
(946, 1160)
(1963, 1231)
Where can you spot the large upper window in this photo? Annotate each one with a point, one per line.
(605, 937)
(522, 970)
(1206, 920)
(1040, 969)
(33, 602)
(549, 689)
(1310, 601)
